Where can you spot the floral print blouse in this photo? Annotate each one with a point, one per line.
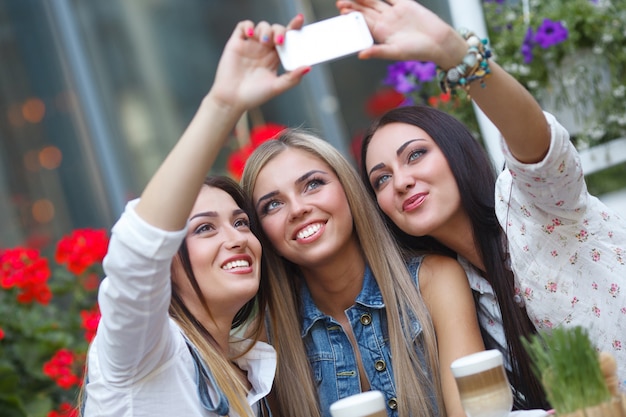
(568, 249)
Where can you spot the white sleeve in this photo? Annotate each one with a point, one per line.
(555, 184)
(134, 331)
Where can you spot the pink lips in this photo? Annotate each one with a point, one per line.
(413, 202)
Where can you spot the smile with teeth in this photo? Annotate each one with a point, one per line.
(309, 231)
(241, 263)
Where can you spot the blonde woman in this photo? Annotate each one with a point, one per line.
(351, 316)
(183, 268)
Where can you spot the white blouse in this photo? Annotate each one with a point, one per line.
(567, 248)
(139, 363)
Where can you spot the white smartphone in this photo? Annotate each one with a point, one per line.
(325, 40)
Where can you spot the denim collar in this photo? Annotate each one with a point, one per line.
(369, 296)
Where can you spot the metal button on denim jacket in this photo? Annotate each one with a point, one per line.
(330, 353)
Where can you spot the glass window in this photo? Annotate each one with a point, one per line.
(94, 95)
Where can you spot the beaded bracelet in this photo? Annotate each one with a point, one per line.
(475, 66)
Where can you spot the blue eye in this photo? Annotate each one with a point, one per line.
(416, 154)
(380, 181)
(270, 206)
(314, 183)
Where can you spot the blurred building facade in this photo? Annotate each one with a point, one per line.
(93, 94)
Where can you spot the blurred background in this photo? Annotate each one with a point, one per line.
(93, 94)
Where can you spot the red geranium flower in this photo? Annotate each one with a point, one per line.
(25, 269)
(383, 100)
(82, 249)
(258, 134)
(263, 133)
(60, 369)
(237, 161)
(64, 410)
(90, 320)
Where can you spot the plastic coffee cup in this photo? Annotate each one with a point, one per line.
(483, 384)
(364, 404)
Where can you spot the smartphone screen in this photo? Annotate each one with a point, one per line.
(324, 41)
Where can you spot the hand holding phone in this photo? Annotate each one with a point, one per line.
(324, 41)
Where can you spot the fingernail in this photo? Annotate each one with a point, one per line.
(306, 71)
(250, 32)
(280, 39)
(300, 15)
(265, 38)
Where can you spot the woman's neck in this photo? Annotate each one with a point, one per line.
(458, 235)
(334, 285)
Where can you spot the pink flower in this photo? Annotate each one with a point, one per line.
(595, 255)
(596, 311)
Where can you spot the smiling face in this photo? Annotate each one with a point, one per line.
(412, 179)
(225, 255)
(303, 209)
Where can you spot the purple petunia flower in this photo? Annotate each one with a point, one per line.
(423, 71)
(527, 46)
(408, 76)
(550, 33)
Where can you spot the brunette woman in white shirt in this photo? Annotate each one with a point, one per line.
(164, 344)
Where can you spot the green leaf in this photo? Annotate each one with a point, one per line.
(11, 406)
(568, 366)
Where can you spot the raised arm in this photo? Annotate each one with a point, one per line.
(246, 77)
(406, 30)
(447, 295)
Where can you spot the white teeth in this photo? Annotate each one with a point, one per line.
(302, 234)
(236, 264)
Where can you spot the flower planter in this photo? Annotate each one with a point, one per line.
(578, 77)
(614, 408)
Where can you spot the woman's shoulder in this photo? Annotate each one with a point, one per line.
(442, 270)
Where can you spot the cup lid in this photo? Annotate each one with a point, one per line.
(476, 362)
(358, 405)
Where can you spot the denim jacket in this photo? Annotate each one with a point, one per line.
(330, 353)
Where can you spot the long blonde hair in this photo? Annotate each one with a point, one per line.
(294, 387)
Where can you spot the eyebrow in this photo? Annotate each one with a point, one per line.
(214, 214)
(398, 152)
(298, 181)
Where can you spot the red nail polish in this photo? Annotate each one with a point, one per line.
(306, 71)
(280, 39)
(250, 32)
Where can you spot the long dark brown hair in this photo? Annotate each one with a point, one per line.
(251, 314)
(475, 179)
